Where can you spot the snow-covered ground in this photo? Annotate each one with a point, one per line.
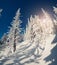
(24, 54)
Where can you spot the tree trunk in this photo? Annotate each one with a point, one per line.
(15, 40)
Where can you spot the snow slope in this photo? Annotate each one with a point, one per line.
(24, 54)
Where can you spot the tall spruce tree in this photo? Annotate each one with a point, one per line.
(38, 30)
(14, 32)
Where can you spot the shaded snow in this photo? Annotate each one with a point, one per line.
(24, 56)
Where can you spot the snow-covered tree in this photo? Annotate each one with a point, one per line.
(14, 32)
(51, 48)
(38, 30)
(29, 34)
(33, 32)
(55, 18)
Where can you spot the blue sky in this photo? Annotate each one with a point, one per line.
(28, 8)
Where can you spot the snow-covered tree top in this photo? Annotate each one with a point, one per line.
(16, 20)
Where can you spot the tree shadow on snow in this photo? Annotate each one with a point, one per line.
(18, 58)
